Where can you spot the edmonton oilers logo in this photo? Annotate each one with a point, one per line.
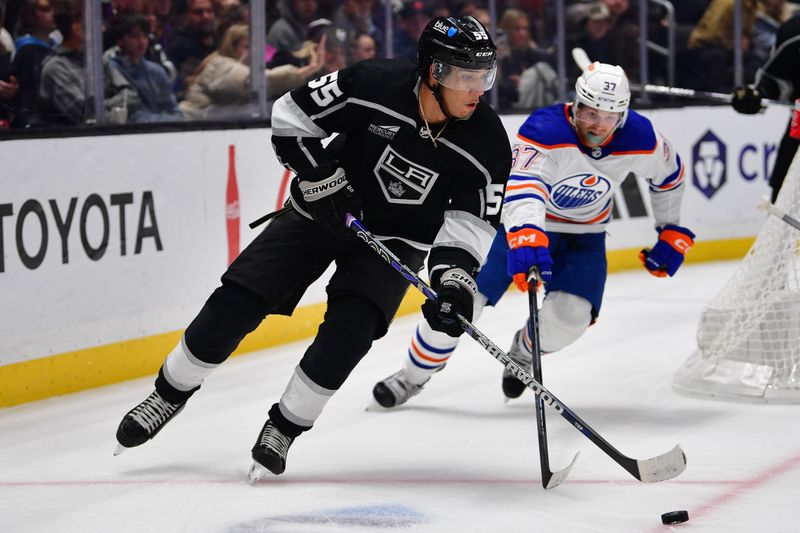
(579, 190)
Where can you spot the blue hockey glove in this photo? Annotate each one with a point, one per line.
(667, 255)
(527, 249)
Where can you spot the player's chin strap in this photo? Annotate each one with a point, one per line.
(435, 89)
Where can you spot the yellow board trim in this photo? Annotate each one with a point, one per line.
(103, 365)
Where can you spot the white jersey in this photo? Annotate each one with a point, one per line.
(559, 184)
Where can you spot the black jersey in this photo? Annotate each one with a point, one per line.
(780, 75)
(446, 196)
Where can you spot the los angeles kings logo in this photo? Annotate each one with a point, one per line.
(403, 181)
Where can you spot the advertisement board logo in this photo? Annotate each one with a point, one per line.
(709, 168)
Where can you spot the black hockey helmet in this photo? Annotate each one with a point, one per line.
(455, 41)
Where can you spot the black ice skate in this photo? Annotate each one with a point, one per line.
(144, 421)
(519, 353)
(269, 452)
(395, 390)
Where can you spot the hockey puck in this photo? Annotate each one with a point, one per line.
(674, 517)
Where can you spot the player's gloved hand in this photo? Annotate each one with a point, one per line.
(527, 249)
(328, 196)
(747, 100)
(668, 253)
(456, 290)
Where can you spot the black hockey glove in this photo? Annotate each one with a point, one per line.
(328, 196)
(456, 290)
(746, 100)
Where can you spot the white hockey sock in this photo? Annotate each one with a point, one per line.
(429, 350)
(303, 400)
(183, 370)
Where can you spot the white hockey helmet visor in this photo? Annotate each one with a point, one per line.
(464, 79)
(604, 87)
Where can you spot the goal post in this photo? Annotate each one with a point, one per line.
(748, 339)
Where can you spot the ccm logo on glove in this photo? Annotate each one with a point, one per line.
(528, 248)
(667, 255)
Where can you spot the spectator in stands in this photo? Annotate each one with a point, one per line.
(152, 85)
(155, 51)
(362, 47)
(770, 14)
(711, 45)
(165, 22)
(8, 82)
(63, 95)
(525, 79)
(193, 41)
(221, 5)
(614, 37)
(117, 10)
(232, 14)
(291, 30)
(221, 84)
(34, 44)
(335, 48)
(355, 17)
(593, 34)
(411, 20)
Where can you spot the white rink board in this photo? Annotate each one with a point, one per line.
(76, 303)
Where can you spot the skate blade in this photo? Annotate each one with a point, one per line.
(375, 407)
(256, 472)
(119, 450)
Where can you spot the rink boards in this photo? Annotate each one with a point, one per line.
(109, 245)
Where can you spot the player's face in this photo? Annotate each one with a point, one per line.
(460, 104)
(595, 126)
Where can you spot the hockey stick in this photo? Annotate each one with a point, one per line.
(659, 468)
(770, 208)
(550, 479)
(581, 59)
(257, 222)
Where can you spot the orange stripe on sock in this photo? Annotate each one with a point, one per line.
(421, 355)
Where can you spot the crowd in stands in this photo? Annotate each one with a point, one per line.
(170, 60)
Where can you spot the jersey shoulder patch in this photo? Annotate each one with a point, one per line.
(549, 127)
(635, 137)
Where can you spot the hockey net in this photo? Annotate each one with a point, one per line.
(749, 335)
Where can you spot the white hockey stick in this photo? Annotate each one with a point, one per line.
(581, 59)
(769, 207)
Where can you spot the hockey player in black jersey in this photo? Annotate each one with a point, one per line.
(779, 77)
(421, 160)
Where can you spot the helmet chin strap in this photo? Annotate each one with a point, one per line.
(435, 89)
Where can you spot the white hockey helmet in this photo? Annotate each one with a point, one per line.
(604, 87)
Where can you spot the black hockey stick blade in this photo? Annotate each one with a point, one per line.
(660, 468)
(550, 479)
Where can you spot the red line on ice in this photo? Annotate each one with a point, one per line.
(739, 488)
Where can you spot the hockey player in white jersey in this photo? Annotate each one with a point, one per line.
(567, 162)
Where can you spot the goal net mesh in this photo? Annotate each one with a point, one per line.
(749, 335)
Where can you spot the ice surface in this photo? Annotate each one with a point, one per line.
(455, 458)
